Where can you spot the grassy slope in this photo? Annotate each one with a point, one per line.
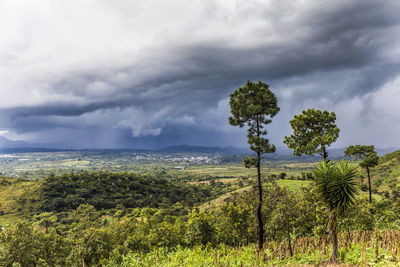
(13, 190)
(389, 166)
(220, 200)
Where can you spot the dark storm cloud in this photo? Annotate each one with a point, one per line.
(308, 52)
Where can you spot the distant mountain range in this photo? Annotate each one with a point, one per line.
(10, 146)
(6, 143)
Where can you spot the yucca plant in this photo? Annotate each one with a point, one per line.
(337, 187)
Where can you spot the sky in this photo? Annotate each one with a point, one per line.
(154, 73)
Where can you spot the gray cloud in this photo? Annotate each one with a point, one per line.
(120, 73)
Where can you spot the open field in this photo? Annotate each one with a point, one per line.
(40, 164)
(293, 185)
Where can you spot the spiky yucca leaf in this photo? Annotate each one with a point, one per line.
(336, 185)
(343, 187)
(323, 174)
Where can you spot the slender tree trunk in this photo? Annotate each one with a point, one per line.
(334, 247)
(324, 154)
(289, 239)
(332, 229)
(369, 185)
(260, 229)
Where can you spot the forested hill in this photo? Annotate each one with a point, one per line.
(105, 190)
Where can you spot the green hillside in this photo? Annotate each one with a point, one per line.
(386, 176)
(17, 197)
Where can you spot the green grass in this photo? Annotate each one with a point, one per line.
(293, 185)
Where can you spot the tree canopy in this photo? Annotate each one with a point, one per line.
(255, 105)
(313, 131)
(367, 155)
(369, 159)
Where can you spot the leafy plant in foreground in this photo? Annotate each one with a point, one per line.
(337, 188)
